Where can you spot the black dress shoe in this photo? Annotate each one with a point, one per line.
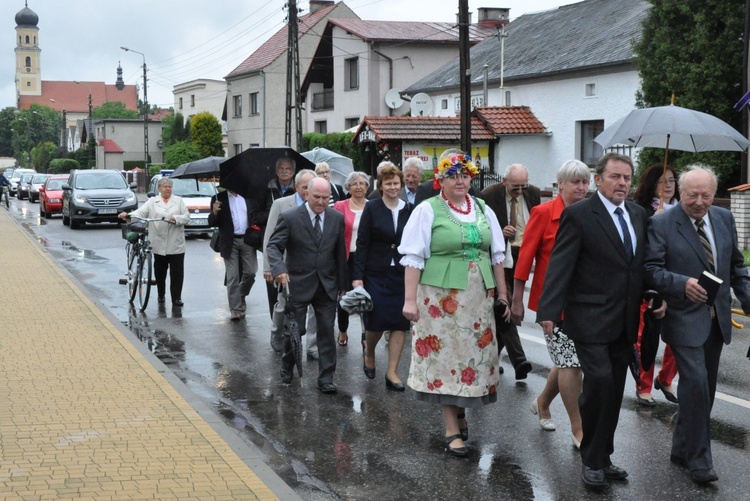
(704, 476)
(464, 431)
(678, 460)
(613, 472)
(327, 388)
(393, 386)
(500, 369)
(286, 376)
(178, 302)
(370, 373)
(160, 300)
(593, 478)
(667, 394)
(523, 369)
(455, 451)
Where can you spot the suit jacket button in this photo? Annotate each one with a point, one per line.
(393, 246)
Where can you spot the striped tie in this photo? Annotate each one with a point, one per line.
(704, 242)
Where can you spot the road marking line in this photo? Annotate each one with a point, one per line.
(719, 395)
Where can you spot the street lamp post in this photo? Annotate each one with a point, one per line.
(63, 131)
(145, 106)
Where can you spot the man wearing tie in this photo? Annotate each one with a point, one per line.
(315, 269)
(595, 280)
(683, 243)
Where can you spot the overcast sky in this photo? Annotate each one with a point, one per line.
(182, 40)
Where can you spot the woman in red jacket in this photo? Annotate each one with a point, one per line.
(538, 239)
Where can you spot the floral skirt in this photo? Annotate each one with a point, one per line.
(562, 351)
(454, 355)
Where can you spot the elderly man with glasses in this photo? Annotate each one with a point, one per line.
(323, 170)
(512, 201)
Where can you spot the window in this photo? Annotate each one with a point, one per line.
(321, 127)
(590, 90)
(28, 84)
(192, 99)
(180, 106)
(237, 106)
(590, 151)
(507, 98)
(443, 104)
(350, 123)
(28, 62)
(237, 149)
(351, 73)
(254, 103)
(27, 38)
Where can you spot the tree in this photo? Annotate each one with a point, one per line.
(7, 115)
(35, 125)
(42, 154)
(173, 129)
(180, 153)
(205, 135)
(113, 109)
(694, 49)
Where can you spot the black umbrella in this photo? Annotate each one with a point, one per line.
(205, 167)
(649, 339)
(249, 172)
(291, 329)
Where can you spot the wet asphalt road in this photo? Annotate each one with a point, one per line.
(370, 443)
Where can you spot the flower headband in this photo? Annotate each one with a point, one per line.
(451, 165)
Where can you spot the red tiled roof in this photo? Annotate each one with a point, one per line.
(110, 146)
(276, 46)
(402, 31)
(74, 97)
(510, 120)
(423, 128)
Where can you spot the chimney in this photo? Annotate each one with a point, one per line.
(471, 15)
(493, 17)
(316, 5)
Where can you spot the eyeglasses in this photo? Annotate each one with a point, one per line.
(519, 186)
(669, 181)
(324, 172)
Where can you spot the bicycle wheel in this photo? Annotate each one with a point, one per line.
(133, 277)
(144, 279)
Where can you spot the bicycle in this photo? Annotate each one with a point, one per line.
(6, 195)
(139, 259)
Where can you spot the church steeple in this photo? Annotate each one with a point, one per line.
(28, 53)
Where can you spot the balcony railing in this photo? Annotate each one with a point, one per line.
(323, 100)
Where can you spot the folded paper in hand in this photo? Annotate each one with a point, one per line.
(711, 283)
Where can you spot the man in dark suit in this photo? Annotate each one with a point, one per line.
(595, 278)
(315, 270)
(234, 215)
(683, 243)
(514, 194)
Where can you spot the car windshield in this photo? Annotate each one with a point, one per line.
(39, 179)
(100, 181)
(192, 188)
(55, 185)
(27, 178)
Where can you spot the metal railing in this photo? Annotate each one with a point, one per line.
(323, 100)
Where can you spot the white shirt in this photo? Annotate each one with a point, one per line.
(238, 207)
(611, 209)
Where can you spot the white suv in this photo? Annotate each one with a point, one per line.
(196, 195)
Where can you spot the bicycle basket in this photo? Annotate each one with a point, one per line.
(131, 231)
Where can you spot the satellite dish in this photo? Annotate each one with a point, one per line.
(421, 105)
(393, 98)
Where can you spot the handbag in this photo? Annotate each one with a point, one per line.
(254, 237)
(214, 244)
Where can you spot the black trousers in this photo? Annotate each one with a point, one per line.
(508, 335)
(175, 263)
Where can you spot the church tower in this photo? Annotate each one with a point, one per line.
(28, 53)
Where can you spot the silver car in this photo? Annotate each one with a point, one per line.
(36, 182)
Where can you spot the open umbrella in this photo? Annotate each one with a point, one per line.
(205, 167)
(249, 172)
(673, 127)
(340, 165)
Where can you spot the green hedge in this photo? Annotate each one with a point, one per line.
(63, 165)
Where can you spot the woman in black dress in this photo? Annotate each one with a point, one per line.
(377, 268)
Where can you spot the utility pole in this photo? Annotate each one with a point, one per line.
(292, 78)
(465, 77)
(145, 106)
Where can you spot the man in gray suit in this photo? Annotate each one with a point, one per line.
(683, 243)
(301, 180)
(312, 236)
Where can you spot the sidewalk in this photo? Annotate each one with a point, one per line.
(86, 413)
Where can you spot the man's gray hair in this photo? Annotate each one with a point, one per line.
(698, 168)
(572, 170)
(510, 168)
(304, 172)
(354, 176)
(286, 160)
(415, 162)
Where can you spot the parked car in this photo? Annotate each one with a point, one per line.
(16, 178)
(50, 196)
(8, 173)
(96, 196)
(24, 185)
(197, 196)
(37, 181)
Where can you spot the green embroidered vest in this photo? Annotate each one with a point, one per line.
(454, 245)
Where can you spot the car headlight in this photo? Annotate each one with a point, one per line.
(54, 200)
(130, 197)
(80, 199)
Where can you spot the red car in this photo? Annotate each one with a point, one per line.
(50, 196)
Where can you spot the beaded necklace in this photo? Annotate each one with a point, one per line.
(458, 209)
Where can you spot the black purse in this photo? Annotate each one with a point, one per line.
(254, 237)
(214, 244)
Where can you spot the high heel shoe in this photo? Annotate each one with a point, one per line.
(576, 443)
(545, 423)
(394, 386)
(370, 373)
(455, 451)
(465, 430)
